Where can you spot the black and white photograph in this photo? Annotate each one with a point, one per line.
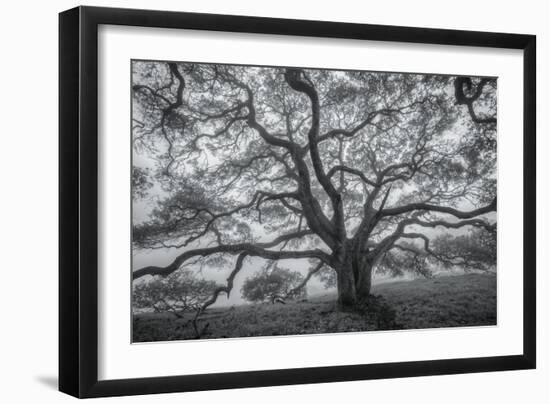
(283, 201)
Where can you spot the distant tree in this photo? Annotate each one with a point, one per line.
(327, 277)
(333, 167)
(181, 294)
(274, 284)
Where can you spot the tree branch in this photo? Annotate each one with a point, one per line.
(343, 168)
(229, 286)
(302, 284)
(387, 243)
(295, 79)
(315, 217)
(253, 250)
(443, 209)
(463, 99)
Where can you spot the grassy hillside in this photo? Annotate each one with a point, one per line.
(466, 300)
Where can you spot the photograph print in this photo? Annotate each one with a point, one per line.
(274, 200)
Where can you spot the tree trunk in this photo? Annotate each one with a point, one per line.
(364, 282)
(347, 296)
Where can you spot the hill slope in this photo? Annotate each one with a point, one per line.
(466, 300)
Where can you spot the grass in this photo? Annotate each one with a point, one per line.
(451, 301)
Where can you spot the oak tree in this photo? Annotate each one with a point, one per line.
(335, 168)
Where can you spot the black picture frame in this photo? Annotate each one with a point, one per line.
(78, 201)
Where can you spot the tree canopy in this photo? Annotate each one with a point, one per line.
(336, 168)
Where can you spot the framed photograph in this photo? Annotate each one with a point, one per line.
(251, 201)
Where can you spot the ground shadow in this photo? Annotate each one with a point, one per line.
(48, 381)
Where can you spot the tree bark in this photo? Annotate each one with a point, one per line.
(364, 281)
(347, 296)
